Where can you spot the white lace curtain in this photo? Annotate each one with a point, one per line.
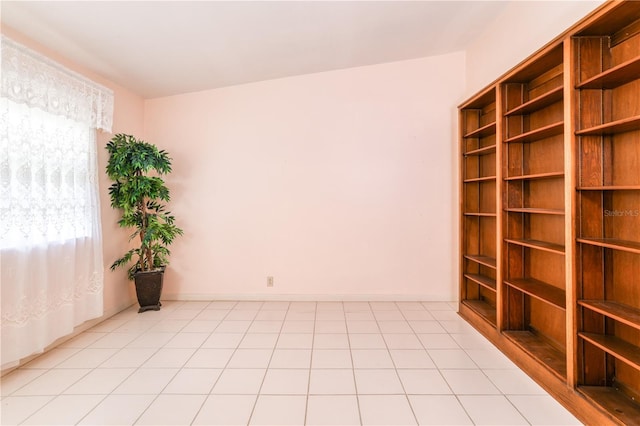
(51, 266)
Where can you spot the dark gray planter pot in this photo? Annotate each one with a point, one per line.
(149, 289)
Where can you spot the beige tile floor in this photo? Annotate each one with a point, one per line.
(278, 363)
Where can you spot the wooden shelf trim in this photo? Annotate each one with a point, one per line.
(486, 282)
(624, 351)
(614, 77)
(538, 245)
(479, 214)
(480, 179)
(609, 188)
(534, 210)
(613, 127)
(482, 260)
(485, 150)
(483, 309)
(612, 243)
(613, 402)
(614, 310)
(537, 134)
(540, 102)
(480, 100)
(486, 130)
(540, 349)
(549, 175)
(540, 290)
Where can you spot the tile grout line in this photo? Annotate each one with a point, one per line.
(353, 367)
(313, 342)
(395, 367)
(273, 350)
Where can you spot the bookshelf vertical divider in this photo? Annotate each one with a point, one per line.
(550, 215)
(499, 211)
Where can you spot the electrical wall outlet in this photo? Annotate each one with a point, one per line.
(269, 281)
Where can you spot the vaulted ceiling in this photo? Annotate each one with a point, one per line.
(160, 48)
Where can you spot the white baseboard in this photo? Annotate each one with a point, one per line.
(310, 297)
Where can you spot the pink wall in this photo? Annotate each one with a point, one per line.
(339, 184)
(128, 118)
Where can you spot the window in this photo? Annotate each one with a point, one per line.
(47, 165)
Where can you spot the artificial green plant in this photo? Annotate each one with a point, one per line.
(138, 190)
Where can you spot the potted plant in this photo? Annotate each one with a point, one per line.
(136, 167)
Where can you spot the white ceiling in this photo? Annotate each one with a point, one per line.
(160, 48)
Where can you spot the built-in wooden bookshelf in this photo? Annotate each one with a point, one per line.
(607, 93)
(534, 267)
(479, 174)
(550, 215)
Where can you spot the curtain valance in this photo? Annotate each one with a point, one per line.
(34, 80)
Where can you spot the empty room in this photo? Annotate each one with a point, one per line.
(320, 212)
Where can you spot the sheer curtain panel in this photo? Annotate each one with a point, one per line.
(51, 266)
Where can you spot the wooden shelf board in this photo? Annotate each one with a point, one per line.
(612, 243)
(486, 282)
(624, 351)
(480, 179)
(485, 150)
(541, 350)
(537, 134)
(614, 310)
(614, 402)
(610, 188)
(549, 175)
(614, 77)
(540, 290)
(483, 260)
(540, 102)
(483, 309)
(479, 214)
(480, 132)
(534, 210)
(539, 245)
(613, 127)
